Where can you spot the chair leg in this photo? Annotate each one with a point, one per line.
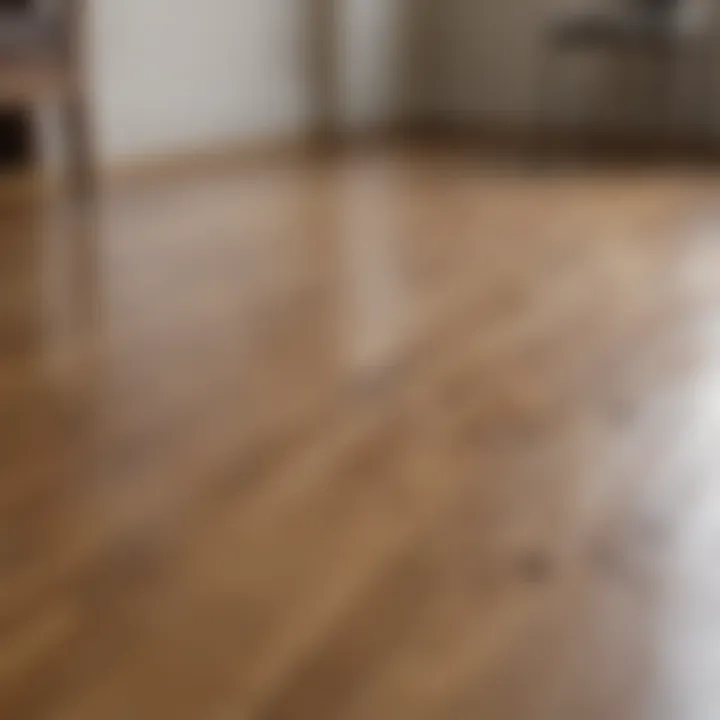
(546, 78)
(661, 102)
(79, 153)
(706, 102)
(613, 72)
(596, 110)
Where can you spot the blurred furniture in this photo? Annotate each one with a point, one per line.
(664, 32)
(41, 62)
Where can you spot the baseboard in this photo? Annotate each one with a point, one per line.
(245, 153)
(519, 138)
(136, 168)
(40, 183)
(508, 139)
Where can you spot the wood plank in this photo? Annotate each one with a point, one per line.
(377, 436)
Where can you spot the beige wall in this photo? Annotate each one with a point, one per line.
(178, 74)
(181, 74)
(172, 74)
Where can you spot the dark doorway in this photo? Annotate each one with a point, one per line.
(15, 126)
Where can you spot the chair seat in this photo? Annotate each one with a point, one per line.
(30, 54)
(28, 81)
(601, 27)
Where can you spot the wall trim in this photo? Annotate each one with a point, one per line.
(503, 139)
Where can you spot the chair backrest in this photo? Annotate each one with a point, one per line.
(695, 16)
(65, 16)
(50, 26)
(656, 8)
(660, 6)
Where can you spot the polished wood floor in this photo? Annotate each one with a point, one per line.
(398, 436)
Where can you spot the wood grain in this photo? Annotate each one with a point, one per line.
(390, 435)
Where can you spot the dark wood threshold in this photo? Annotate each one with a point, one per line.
(487, 142)
(520, 141)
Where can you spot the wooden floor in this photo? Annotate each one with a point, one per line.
(388, 437)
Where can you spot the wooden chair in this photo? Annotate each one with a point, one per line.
(664, 31)
(41, 60)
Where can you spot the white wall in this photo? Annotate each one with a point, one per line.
(182, 74)
(173, 74)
